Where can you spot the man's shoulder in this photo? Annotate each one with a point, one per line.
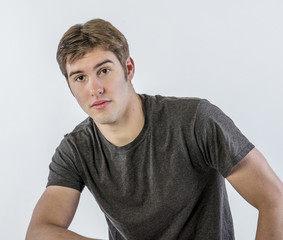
(173, 103)
(81, 136)
(85, 127)
(163, 98)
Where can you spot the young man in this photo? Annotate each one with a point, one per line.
(155, 165)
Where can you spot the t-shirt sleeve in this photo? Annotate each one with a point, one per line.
(63, 169)
(220, 142)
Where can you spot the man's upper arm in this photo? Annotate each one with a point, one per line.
(57, 206)
(254, 179)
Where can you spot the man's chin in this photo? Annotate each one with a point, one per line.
(103, 120)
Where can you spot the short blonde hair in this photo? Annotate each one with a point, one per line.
(82, 38)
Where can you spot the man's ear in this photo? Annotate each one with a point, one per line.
(130, 65)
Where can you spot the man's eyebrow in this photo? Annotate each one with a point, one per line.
(96, 66)
(74, 72)
(100, 64)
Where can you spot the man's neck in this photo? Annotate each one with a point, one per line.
(125, 131)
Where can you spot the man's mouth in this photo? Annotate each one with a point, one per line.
(101, 104)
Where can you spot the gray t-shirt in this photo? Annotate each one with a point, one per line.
(166, 184)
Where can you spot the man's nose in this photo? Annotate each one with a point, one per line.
(96, 87)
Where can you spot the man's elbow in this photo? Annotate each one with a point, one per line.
(37, 231)
(272, 200)
(32, 232)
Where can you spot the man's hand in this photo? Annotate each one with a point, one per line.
(254, 179)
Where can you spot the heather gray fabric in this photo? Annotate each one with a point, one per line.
(169, 182)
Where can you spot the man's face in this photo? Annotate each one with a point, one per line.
(98, 82)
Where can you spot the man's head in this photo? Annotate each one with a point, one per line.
(83, 38)
(94, 58)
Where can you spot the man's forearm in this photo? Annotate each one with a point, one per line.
(270, 224)
(50, 231)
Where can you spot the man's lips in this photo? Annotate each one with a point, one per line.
(101, 104)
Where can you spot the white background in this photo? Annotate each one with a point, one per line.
(229, 52)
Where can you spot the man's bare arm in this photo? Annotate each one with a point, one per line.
(254, 179)
(53, 214)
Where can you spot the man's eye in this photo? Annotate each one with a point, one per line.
(104, 71)
(80, 78)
